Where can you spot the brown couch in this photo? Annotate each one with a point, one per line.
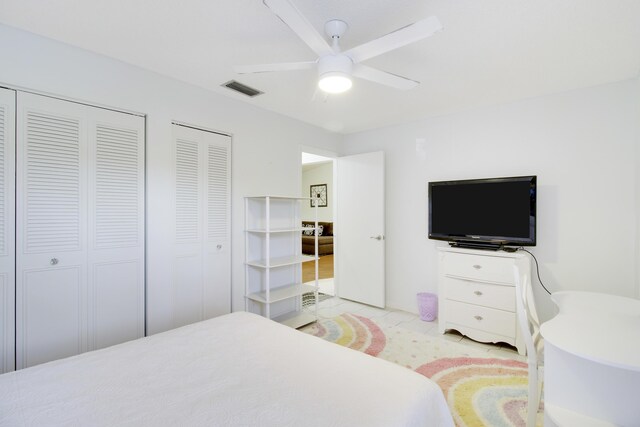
(325, 240)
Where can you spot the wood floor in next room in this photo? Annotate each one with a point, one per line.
(325, 269)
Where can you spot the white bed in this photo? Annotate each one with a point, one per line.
(235, 370)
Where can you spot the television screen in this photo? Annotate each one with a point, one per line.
(497, 210)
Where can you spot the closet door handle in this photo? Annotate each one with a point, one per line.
(477, 266)
(54, 261)
(477, 293)
(478, 318)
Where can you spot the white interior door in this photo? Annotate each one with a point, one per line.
(202, 205)
(7, 229)
(360, 253)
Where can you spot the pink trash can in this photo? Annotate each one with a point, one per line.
(427, 306)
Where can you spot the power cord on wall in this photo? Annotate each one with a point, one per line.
(537, 268)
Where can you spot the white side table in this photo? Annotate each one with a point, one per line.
(592, 360)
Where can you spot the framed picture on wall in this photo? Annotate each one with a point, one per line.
(318, 194)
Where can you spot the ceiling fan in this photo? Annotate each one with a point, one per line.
(335, 68)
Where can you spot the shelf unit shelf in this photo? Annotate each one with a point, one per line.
(277, 230)
(296, 319)
(281, 261)
(279, 198)
(273, 260)
(281, 293)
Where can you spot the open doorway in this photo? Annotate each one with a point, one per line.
(318, 183)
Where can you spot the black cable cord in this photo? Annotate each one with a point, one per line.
(537, 268)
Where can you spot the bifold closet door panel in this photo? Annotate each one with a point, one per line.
(187, 280)
(7, 229)
(51, 243)
(202, 257)
(116, 227)
(217, 247)
(80, 224)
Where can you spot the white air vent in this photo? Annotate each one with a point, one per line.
(241, 88)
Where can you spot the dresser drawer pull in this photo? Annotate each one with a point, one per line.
(477, 293)
(477, 266)
(477, 317)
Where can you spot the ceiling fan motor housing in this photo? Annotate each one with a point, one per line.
(337, 63)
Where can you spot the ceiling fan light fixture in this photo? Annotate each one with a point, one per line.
(335, 82)
(335, 73)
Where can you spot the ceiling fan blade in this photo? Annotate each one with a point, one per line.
(401, 37)
(265, 68)
(291, 16)
(382, 77)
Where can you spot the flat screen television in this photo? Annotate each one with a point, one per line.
(491, 212)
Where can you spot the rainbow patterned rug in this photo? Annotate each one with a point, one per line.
(480, 390)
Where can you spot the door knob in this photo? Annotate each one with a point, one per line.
(54, 261)
(378, 237)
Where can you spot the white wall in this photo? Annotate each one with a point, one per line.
(321, 173)
(637, 123)
(582, 145)
(265, 147)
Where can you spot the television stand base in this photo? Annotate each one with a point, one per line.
(476, 245)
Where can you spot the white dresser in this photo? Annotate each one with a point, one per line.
(477, 294)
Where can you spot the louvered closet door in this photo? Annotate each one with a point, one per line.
(7, 229)
(75, 269)
(116, 224)
(51, 230)
(202, 257)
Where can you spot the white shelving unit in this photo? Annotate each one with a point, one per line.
(273, 260)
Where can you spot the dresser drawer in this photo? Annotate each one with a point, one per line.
(483, 318)
(501, 297)
(490, 269)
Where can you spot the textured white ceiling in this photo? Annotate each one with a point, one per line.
(490, 52)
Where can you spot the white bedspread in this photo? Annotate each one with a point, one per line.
(234, 370)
